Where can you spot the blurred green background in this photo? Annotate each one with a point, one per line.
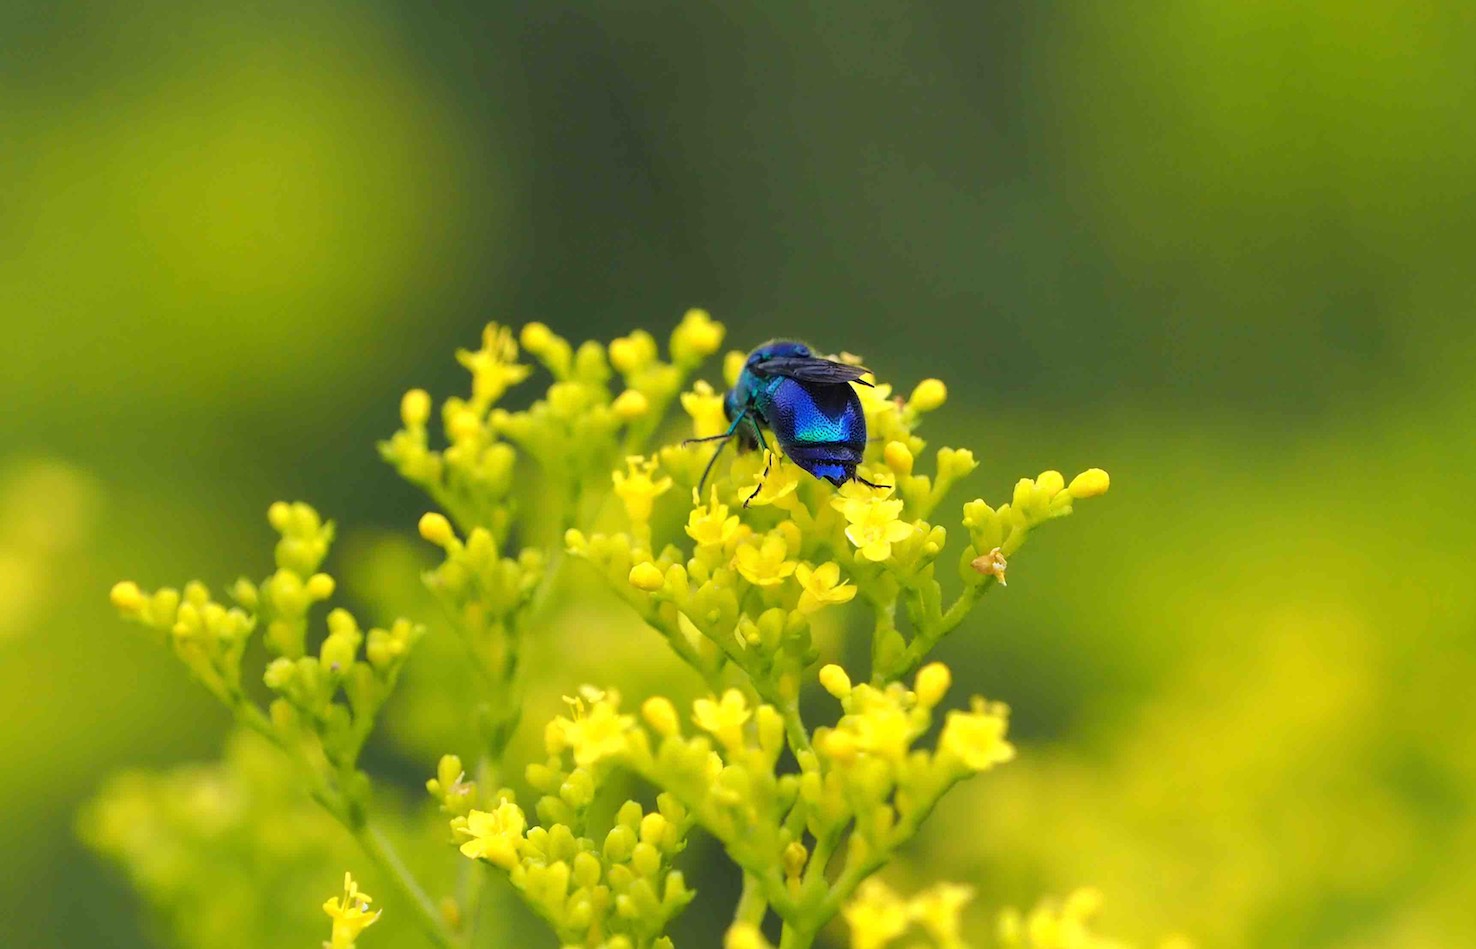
(1221, 249)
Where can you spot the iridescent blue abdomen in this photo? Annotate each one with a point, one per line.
(821, 428)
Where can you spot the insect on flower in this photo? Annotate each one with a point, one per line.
(808, 404)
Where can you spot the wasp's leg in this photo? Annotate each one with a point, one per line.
(769, 457)
(870, 485)
(726, 437)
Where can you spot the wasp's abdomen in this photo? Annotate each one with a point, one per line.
(816, 416)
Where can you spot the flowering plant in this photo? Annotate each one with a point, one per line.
(743, 592)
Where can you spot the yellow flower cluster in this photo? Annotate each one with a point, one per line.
(863, 777)
(620, 891)
(878, 917)
(1065, 924)
(734, 581)
(329, 699)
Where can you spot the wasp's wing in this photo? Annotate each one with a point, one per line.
(812, 369)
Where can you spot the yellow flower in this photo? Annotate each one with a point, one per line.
(494, 836)
(493, 368)
(775, 480)
(876, 916)
(872, 523)
(937, 910)
(723, 719)
(977, 737)
(880, 725)
(706, 409)
(709, 525)
(350, 915)
(1067, 924)
(764, 565)
(638, 489)
(821, 586)
(593, 733)
(876, 399)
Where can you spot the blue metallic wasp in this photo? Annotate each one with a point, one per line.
(809, 405)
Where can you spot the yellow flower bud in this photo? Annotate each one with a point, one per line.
(586, 868)
(661, 715)
(463, 424)
(929, 395)
(646, 576)
(1089, 483)
(794, 858)
(696, 337)
(1024, 493)
(733, 366)
(632, 353)
(899, 458)
(127, 597)
(415, 408)
(435, 528)
(745, 936)
(835, 681)
(839, 745)
(630, 404)
(279, 515)
(932, 683)
(320, 586)
(1049, 484)
(536, 337)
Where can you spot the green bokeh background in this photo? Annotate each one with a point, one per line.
(1223, 250)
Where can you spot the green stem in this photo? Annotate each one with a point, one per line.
(794, 728)
(857, 871)
(793, 937)
(752, 903)
(487, 773)
(382, 854)
(928, 637)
